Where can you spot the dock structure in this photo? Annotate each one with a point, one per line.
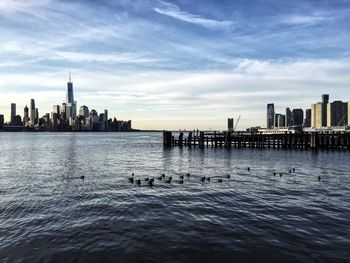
(306, 141)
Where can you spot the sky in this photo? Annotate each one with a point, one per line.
(177, 64)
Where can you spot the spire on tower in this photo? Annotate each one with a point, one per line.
(70, 77)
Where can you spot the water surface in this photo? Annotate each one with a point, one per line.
(48, 214)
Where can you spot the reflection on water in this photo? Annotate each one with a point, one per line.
(47, 213)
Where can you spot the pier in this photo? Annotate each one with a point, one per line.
(304, 141)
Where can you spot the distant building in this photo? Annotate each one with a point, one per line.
(1, 121)
(325, 100)
(288, 117)
(348, 113)
(270, 116)
(36, 120)
(26, 116)
(337, 113)
(56, 109)
(230, 124)
(13, 113)
(298, 117)
(106, 120)
(316, 115)
(307, 121)
(280, 120)
(32, 113)
(84, 111)
(71, 105)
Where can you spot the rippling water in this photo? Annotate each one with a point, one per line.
(48, 214)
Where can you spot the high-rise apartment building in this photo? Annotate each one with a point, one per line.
(84, 111)
(230, 124)
(325, 100)
(288, 117)
(270, 116)
(316, 115)
(307, 121)
(13, 113)
(280, 120)
(32, 112)
(298, 117)
(337, 113)
(1, 121)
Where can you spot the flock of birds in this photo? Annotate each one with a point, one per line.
(169, 179)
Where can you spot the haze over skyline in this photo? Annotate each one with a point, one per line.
(175, 64)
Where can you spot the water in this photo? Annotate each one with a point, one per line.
(48, 214)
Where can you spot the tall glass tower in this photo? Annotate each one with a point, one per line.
(270, 123)
(70, 96)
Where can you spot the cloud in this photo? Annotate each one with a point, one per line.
(175, 12)
(204, 98)
(299, 19)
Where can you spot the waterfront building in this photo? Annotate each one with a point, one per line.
(36, 119)
(54, 120)
(63, 111)
(337, 113)
(26, 116)
(1, 121)
(230, 124)
(298, 117)
(70, 103)
(280, 120)
(307, 121)
(56, 109)
(32, 113)
(316, 115)
(13, 113)
(270, 116)
(106, 120)
(84, 111)
(325, 100)
(348, 114)
(288, 117)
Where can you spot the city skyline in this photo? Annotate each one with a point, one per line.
(174, 64)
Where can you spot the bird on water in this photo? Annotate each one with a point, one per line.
(219, 180)
(169, 180)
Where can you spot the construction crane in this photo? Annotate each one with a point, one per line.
(234, 128)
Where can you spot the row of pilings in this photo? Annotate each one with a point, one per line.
(310, 140)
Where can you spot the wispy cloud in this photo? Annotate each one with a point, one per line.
(299, 19)
(174, 11)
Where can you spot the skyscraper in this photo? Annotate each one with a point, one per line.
(32, 112)
(325, 100)
(348, 113)
(71, 110)
(84, 111)
(1, 121)
(36, 120)
(26, 116)
(13, 113)
(337, 113)
(70, 95)
(298, 117)
(307, 121)
(270, 116)
(288, 117)
(230, 124)
(316, 115)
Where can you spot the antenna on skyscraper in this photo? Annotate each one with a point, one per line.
(70, 77)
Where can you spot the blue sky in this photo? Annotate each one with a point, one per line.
(175, 64)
